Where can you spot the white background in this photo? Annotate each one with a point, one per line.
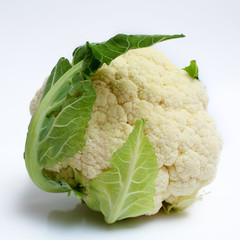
(35, 34)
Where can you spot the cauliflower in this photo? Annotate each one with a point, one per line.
(144, 84)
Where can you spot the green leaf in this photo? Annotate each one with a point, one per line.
(192, 69)
(79, 54)
(65, 133)
(127, 188)
(57, 129)
(95, 54)
(121, 43)
(77, 191)
(62, 66)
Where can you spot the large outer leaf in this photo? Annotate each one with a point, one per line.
(127, 188)
(57, 128)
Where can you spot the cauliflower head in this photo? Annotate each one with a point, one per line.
(143, 83)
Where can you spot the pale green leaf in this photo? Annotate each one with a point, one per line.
(184, 203)
(127, 188)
